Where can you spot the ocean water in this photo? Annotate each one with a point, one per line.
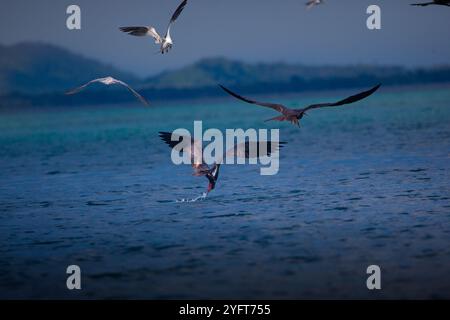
(363, 185)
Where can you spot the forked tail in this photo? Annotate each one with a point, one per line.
(279, 118)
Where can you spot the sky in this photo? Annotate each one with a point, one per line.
(247, 30)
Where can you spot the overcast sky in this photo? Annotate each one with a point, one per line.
(248, 30)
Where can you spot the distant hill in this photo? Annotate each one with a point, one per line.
(209, 72)
(38, 74)
(36, 68)
(201, 78)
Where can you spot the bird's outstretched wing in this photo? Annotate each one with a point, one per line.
(142, 32)
(134, 92)
(422, 4)
(254, 149)
(349, 100)
(277, 107)
(78, 89)
(178, 11)
(310, 4)
(187, 144)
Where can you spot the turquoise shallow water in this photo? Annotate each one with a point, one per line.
(368, 184)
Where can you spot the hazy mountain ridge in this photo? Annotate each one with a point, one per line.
(39, 74)
(208, 72)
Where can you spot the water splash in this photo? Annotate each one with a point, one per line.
(199, 198)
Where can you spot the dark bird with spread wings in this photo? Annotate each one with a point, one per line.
(194, 148)
(295, 115)
(434, 2)
(166, 42)
(109, 81)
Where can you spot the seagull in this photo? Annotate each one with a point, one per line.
(166, 41)
(109, 81)
(312, 3)
(211, 172)
(294, 115)
(434, 2)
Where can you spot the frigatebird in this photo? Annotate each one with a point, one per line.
(166, 41)
(434, 2)
(194, 148)
(294, 115)
(109, 81)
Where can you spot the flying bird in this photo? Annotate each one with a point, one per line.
(194, 148)
(312, 3)
(109, 81)
(294, 115)
(166, 41)
(434, 2)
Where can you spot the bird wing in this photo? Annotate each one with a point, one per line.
(178, 11)
(152, 32)
(277, 107)
(310, 4)
(349, 100)
(422, 4)
(254, 149)
(134, 92)
(194, 152)
(142, 32)
(78, 89)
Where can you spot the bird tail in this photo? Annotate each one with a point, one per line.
(279, 118)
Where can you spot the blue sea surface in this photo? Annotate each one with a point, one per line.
(366, 184)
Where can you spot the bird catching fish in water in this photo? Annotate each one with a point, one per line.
(194, 149)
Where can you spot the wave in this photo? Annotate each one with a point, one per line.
(199, 198)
